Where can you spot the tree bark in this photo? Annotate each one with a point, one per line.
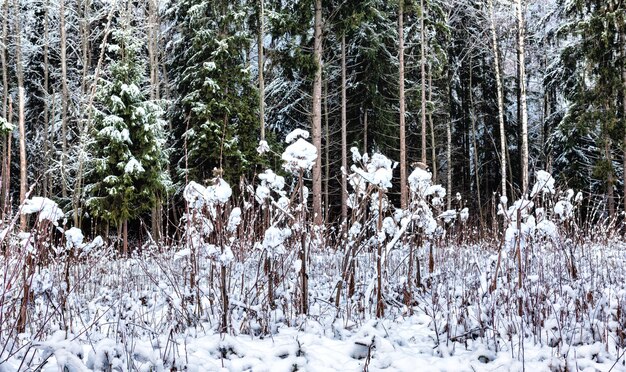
(21, 119)
(46, 113)
(522, 92)
(494, 45)
(326, 208)
(433, 147)
(474, 145)
(260, 67)
(344, 135)
(423, 76)
(623, 34)
(5, 168)
(403, 171)
(365, 131)
(316, 125)
(64, 97)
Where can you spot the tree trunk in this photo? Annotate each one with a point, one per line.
(260, 67)
(46, 113)
(403, 171)
(522, 92)
(433, 147)
(624, 114)
(316, 125)
(494, 45)
(344, 135)
(21, 119)
(423, 76)
(449, 163)
(623, 55)
(64, 97)
(153, 34)
(365, 131)
(380, 305)
(125, 237)
(5, 168)
(326, 155)
(475, 157)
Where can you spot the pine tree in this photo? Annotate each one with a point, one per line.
(127, 156)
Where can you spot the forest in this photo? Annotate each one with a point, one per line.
(368, 184)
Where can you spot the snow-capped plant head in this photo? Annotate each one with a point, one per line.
(564, 209)
(377, 171)
(199, 196)
(270, 181)
(544, 184)
(419, 181)
(299, 156)
(380, 169)
(46, 209)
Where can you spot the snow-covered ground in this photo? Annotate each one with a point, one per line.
(135, 314)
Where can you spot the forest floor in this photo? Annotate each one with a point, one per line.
(139, 313)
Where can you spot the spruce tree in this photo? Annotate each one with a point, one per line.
(127, 156)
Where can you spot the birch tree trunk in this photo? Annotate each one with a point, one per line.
(153, 58)
(344, 135)
(21, 120)
(403, 171)
(316, 124)
(522, 92)
(494, 45)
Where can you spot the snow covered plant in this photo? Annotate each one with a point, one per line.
(210, 226)
(540, 220)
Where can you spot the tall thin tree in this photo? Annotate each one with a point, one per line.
(404, 193)
(522, 93)
(316, 122)
(500, 98)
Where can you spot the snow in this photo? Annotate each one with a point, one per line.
(198, 196)
(299, 156)
(271, 179)
(295, 134)
(381, 170)
(448, 216)
(74, 238)
(274, 239)
(378, 172)
(564, 209)
(544, 184)
(419, 181)
(48, 210)
(263, 147)
(234, 219)
(133, 167)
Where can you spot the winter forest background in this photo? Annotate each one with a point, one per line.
(376, 183)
